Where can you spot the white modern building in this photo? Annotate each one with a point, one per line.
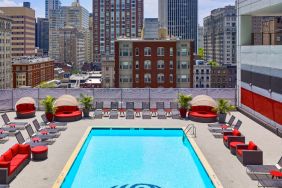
(259, 66)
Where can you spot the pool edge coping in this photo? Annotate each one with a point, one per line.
(61, 177)
(215, 180)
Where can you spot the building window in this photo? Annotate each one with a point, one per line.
(147, 64)
(125, 65)
(171, 51)
(137, 64)
(160, 51)
(161, 64)
(137, 77)
(136, 51)
(171, 78)
(182, 78)
(171, 64)
(161, 78)
(147, 51)
(147, 78)
(184, 65)
(184, 52)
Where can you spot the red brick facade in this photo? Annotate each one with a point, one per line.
(35, 73)
(154, 57)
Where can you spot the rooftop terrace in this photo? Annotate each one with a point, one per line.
(228, 169)
(226, 166)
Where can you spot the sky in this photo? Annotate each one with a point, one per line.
(151, 6)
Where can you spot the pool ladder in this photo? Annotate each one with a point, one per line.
(191, 129)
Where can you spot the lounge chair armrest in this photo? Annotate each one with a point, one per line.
(253, 157)
(3, 175)
(243, 146)
(24, 149)
(235, 139)
(227, 133)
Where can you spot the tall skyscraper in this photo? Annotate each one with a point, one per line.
(5, 52)
(74, 16)
(112, 19)
(51, 5)
(42, 34)
(72, 47)
(180, 18)
(220, 36)
(200, 37)
(23, 30)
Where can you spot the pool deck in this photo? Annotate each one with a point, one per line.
(227, 168)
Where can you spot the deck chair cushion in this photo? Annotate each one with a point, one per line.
(252, 146)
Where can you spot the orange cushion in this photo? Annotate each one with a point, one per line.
(39, 149)
(252, 146)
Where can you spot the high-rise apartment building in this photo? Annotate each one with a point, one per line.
(5, 52)
(56, 22)
(90, 41)
(180, 18)
(23, 30)
(112, 19)
(259, 66)
(151, 28)
(200, 37)
(72, 47)
(51, 5)
(74, 16)
(220, 36)
(42, 34)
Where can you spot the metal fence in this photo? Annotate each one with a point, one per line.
(9, 97)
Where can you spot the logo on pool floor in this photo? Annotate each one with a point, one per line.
(139, 185)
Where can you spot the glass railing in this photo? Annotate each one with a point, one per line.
(9, 97)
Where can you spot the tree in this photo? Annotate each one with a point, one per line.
(213, 63)
(201, 53)
(47, 85)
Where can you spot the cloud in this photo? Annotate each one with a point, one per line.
(8, 3)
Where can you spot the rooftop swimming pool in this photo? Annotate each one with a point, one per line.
(137, 158)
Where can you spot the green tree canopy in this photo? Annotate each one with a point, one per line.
(201, 53)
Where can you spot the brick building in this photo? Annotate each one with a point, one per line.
(31, 71)
(164, 63)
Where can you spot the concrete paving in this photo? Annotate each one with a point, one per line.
(228, 169)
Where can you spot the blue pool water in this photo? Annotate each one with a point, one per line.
(137, 159)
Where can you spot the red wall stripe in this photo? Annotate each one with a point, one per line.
(265, 106)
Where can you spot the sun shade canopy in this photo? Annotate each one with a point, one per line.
(203, 100)
(25, 100)
(66, 100)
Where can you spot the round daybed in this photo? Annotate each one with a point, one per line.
(25, 108)
(67, 109)
(202, 109)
